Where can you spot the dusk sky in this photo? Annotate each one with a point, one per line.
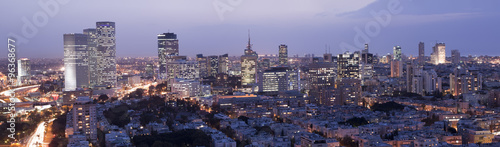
(215, 27)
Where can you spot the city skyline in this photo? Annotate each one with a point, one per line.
(234, 73)
(317, 24)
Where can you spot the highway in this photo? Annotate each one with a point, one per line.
(8, 92)
(36, 139)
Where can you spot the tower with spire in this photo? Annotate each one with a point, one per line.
(248, 65)
(248, 50)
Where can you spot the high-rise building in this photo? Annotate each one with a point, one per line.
(432, 83)
(348, 65)
(421, 53)
(366, 65)
(283, 54)
(455, 56)
(83, 118)
(397, 53)
(105, 67)
(23, 71)
(202, 64)
(183, 69)
(348, 91)
(223, 63)
(93, 56)
(396, 68)
(168, 46)
(186, 88)
(397, 63)
(276, 79)
(76, 62)
(248, 65)
(465, 80)
(321, 75)
(213, 65)
(438, 55)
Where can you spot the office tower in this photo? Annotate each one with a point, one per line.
(213, 65)
(76, 62)
(348, 91)
(183, 69)
(465, 80)
(438, 55)
(265, 63)
(366, 72)
(168, 46)
(149, 70)
(23, 71)
(105, 68)
(348, 65)
(321, 75)
(366, 65)
(366, 57)
(248, 65)
(283, 55)
(410, 73)
(397, 53)
(83, 118)
(223, 63)
(276, 79)
(455, 56)
(397, 63)
(421, 53)
(366, 49)
(202, 64)
(93, 56)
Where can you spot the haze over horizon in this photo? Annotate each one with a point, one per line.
(219, 26)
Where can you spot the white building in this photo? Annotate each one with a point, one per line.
(76, 62)
(186, 88)
(84, 118)
(23, 71)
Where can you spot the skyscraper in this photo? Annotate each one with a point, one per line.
(105, 68)
(321, 75)
(168, 46)
(248, 65)
(23, 71)
(93, 56)
(438, 55)
(348, 65)
(76, 62)
(224, 63)
(397, 53)
(397, 63)
(283, 55)
(421, 53)
(213, 65)
(455, 56)
(202, 64)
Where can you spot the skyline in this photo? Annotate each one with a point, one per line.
(201, 30)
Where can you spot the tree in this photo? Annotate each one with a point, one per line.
(103, 97)
(357, 121)
(139, 92)
(243, 118)
(347, 141)
(151, 90)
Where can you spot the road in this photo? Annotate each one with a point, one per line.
(8, 92)
(36, 139)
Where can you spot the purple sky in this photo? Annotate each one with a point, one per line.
(305, 26)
